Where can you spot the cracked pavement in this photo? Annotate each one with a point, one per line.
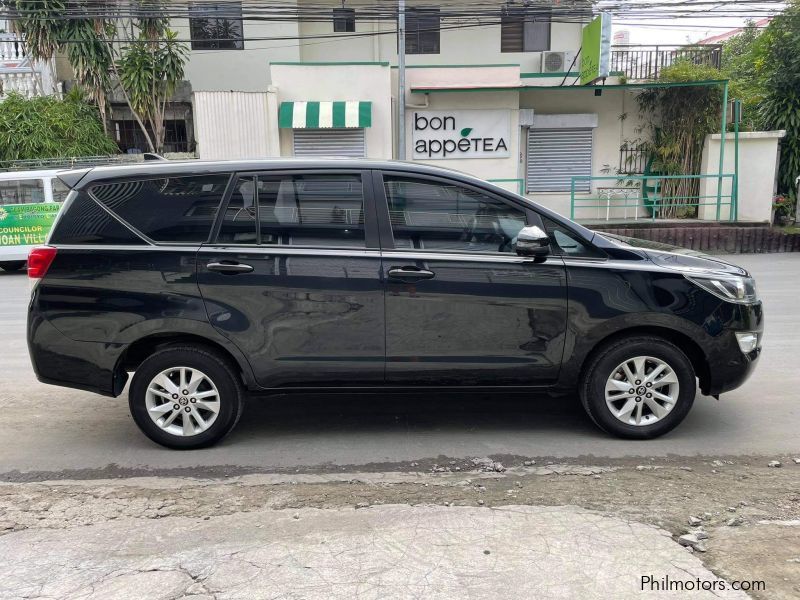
(394, 551)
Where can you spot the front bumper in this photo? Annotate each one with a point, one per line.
(728, 366)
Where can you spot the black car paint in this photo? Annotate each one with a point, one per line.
(308, 326)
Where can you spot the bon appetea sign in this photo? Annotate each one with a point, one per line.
(26, 224)
(449, 134)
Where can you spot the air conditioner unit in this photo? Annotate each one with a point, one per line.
(558, 62)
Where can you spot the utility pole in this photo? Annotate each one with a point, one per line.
(401, 80)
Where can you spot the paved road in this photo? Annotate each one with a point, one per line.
(45, 428)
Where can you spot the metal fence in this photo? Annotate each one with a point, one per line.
(654, 197)
(638, 62)
(632, 158)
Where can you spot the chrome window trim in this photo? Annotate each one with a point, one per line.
(333, 252)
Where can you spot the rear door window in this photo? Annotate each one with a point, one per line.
(169, 209)
(297, 210)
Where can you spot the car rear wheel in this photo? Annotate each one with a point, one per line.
(12, 265)
(186, 397)
(638, 387)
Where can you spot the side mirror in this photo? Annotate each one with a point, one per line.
(532, 241)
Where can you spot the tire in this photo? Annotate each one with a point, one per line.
(219, 388)
(12, 265)
(603, 366)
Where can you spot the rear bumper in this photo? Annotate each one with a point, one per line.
(58, 360)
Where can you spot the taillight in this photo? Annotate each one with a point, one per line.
(39, 260)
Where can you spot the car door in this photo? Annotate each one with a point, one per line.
(462, 309)
(293, 277)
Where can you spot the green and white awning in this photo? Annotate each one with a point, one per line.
(325, 115)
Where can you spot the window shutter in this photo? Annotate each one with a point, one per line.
(555, 156)
(511, 32)
(347, 142)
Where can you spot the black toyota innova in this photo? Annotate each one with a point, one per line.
(210, 280)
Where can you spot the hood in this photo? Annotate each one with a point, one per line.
(677, 258)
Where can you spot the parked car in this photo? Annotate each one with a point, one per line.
(210, 280)
(29, 201)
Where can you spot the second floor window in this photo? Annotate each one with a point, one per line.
(344, 19)
(524, 30)
(422, 31)
(216, 26)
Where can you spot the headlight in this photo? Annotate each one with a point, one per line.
(741, 290)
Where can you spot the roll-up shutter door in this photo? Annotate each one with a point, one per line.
(347, 142)
(555, 156)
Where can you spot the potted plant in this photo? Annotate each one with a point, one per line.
(783, 210)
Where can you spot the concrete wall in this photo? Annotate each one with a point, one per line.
(340, 82)
(758, 168)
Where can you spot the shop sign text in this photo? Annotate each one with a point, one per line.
(440, 134)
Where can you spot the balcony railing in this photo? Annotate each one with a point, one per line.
(647, 62)
(12, 50)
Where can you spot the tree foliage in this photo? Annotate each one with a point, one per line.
(764, 69)
(778, 61)
(149, 71)
(103, 50)
(681, 118)
(46, 127)
(739, 55)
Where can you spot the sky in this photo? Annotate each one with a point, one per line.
(664, 26)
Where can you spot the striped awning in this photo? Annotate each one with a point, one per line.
(325, 115)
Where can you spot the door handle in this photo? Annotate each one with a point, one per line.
(229, 267)
(410, 273)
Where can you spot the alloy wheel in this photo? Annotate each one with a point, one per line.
(642, 390)
(182, 401)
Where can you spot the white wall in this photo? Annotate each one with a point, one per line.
(245, 70)
(610, 133)
(758, 167)
(340, 82)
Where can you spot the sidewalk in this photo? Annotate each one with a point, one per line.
(390, 551)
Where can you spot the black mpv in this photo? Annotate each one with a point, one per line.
(209, 280)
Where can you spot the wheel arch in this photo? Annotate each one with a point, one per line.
(145, 346)
(684, 342)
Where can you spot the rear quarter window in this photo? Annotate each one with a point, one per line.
(167, 209)
(85, 222)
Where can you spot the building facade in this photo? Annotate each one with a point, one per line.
(499, 100)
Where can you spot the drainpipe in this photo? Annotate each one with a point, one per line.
(401, 79)
(722, 146)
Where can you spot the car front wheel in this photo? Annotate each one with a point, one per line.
(638, 387)
(186, 397)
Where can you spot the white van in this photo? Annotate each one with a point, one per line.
(29, 202)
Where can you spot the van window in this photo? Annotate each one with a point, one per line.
(21, 191)
(297, 210)
(168, 209)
